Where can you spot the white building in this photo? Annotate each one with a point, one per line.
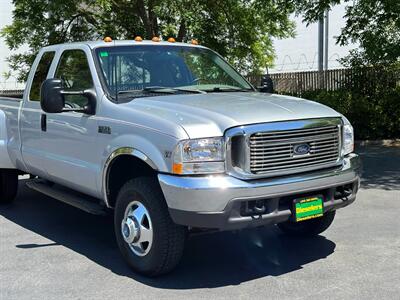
(301, 53)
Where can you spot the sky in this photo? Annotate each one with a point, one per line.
(300, 53)
(293, 54)
(5, 19)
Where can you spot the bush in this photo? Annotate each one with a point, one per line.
(374, 115)
(369, 97)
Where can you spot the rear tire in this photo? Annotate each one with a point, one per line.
(147, 237)
(8, 185)
(310, 227)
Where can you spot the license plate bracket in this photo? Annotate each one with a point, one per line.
(307, 208)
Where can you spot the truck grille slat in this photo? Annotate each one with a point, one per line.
(320, 143)
(269, 162)
(274, 151)
(322, 146)
(321, 139)
(321, 129)
(259, 159)
(313, 149)
(279, 136)
(272, 147)
(271, 151)
(262, 171)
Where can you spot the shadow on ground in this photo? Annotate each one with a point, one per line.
(381, 167)
(212, 260)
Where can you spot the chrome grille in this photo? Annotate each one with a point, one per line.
(273, 151)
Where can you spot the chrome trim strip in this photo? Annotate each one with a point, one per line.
(118, 152)
(243, 172)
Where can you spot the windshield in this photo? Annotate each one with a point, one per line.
(130, 69)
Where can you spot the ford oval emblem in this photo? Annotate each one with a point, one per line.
(301, 149)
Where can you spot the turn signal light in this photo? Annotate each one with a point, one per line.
(138, 39)
(107, 39)
(177, 168)
(171, 40)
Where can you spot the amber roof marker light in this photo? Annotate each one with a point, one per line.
(155, 39)
(138, 39)
(107, 39)
(194, 42)
(171, 40)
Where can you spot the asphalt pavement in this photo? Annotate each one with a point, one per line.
(49, 250)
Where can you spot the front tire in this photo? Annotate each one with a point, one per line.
(310, 227)
(8, 185)
(147, 237)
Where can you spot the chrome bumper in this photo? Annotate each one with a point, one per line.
(212, 201)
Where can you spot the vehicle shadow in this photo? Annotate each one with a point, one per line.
(212, 260)
(381, 167)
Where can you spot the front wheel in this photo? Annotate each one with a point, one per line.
(310, 227)
(147, 237)
(8, 185)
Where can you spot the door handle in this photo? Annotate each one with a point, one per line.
(43, 122)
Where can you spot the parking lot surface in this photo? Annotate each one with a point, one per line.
(49, 250)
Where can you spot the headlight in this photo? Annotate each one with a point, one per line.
(348, 137)
(199, 156)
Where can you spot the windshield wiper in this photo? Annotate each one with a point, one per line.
(229, 89)
(163, 90)
(172, 89)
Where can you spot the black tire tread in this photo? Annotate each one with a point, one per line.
(310, 227)
(8, 185)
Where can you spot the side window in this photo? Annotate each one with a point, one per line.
(73, 69)
(40, 75)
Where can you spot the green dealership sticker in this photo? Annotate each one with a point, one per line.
(104, 54)
(308, 208)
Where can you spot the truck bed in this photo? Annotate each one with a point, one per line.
(12, 95)
(9, 131)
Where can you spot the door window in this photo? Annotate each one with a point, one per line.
(40, 75)
(73, 69)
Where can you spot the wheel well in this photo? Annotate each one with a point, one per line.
(122, 169)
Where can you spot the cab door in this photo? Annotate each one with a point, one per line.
(31, 117)
(70, 137)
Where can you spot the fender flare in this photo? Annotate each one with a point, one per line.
(116, 153)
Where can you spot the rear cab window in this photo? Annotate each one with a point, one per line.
(40, 75)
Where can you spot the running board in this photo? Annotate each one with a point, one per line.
(67, 196)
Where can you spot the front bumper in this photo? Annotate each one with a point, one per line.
(219, 201)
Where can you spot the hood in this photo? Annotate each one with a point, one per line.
(207, 115)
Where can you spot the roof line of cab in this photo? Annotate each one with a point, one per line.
(108, 43)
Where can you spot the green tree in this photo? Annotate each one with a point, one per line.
(240, 30)
(373, 24)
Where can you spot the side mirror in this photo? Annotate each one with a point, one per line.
(52, 98)
(267, 85)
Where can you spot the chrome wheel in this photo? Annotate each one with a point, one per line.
(137, 229)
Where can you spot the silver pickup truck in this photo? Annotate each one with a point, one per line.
(172, 140)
